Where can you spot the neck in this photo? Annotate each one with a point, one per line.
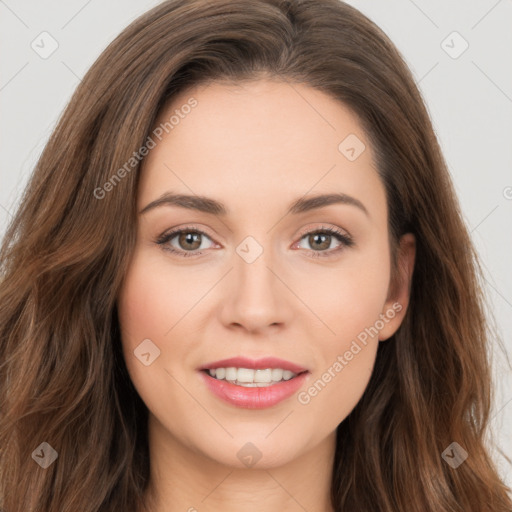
(184, 480)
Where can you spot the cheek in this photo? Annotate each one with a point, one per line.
(152, 300)
(145, 309)
(344, 367)
(350, 296)
(139, 307)
(338, 387)
(346, 355)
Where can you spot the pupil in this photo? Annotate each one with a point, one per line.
(189, 238)
(324, 236)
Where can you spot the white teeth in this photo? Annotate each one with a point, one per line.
(252, 378)
(231, 373)
(263, 376)
(245, 375)
(277, 373)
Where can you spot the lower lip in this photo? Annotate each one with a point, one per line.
(253, 398)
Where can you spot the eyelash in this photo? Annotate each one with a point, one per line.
(345, 239)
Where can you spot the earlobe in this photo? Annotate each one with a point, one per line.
(397, 301)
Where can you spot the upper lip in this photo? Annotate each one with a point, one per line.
(254, 364)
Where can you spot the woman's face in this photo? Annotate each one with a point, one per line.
(257, 278)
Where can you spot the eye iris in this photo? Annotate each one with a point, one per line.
(188, 238)
(314, 237)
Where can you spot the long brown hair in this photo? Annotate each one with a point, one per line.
(63, 380)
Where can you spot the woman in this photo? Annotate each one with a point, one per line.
(252, 369)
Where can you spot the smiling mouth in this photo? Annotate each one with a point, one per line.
(252, 378)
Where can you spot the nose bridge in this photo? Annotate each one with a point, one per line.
(257, 297)
(255, 283)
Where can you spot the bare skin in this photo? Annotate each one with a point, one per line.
(256, 148)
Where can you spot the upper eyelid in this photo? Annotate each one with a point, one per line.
(170, 234)
(308, 230)
(302, 232)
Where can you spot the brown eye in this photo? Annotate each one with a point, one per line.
(188, 241)
(320, 241)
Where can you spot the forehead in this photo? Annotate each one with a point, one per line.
(255, 140)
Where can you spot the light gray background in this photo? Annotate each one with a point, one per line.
(469, 99)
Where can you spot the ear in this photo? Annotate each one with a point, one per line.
(399, 290)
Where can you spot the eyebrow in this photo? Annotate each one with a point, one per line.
(214, 207)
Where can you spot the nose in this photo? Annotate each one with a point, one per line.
(257, 297)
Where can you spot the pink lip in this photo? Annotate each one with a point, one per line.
(253, 398)
(259, 364)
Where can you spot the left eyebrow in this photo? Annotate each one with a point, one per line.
(319, 201)
(214, 207)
